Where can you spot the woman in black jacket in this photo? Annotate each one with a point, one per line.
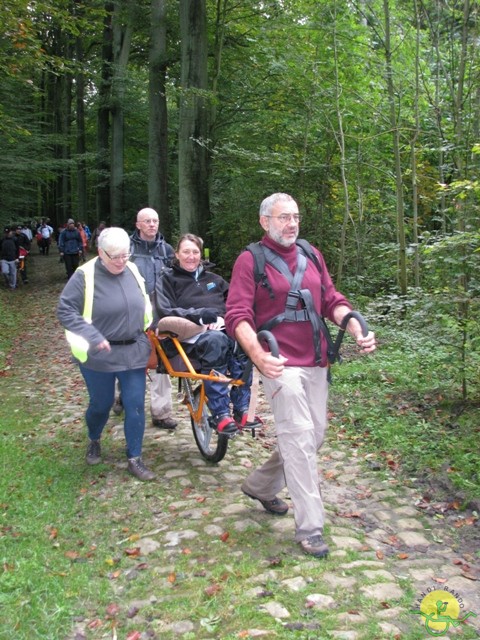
(188, 290)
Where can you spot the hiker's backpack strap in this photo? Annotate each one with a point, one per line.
(258, 253)
(262, 255)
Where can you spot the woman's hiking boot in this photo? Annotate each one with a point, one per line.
(94, 452)
(138, 469)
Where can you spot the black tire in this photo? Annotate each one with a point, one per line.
(211, 445)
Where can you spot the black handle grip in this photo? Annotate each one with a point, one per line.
(351, 314)
(269, 338)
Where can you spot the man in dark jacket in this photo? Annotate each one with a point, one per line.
(71, 247)
(8, 258)
(24, 246)
(151, 255)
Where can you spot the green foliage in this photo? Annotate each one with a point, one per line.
(408, 406)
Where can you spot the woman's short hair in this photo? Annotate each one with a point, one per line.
(192, 238)
(114, 239)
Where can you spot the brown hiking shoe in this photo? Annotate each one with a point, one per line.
(276, 506)
(137, 468)
(94, 452)
(314, 546)
(164, 423)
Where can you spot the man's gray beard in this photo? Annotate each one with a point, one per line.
(278, 237)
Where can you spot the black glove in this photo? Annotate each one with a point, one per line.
(208, 316)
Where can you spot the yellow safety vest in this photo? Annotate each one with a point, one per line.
(78, 345)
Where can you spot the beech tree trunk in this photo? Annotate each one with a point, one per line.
(103, 120)
(122, 36)
(193, 128)
(158, 122)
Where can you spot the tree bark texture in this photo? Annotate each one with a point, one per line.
(193, 128)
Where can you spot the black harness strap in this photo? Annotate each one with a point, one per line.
(295, 297)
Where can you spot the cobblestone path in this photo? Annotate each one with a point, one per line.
(403, 552)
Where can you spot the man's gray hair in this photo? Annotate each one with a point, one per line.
(268, 204)
(114, 238)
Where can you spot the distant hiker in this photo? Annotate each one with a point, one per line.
(105, 310)
(44, 237)
(24, 246)
(84, 238)
(71, 247)
(295, 383)
(9, 258)
(95, 234)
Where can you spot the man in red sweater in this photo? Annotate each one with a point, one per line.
(295, 383)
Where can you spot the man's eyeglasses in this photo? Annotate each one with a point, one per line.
(286, 217)
(150, 221)
(124, 257)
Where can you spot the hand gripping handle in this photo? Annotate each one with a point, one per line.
(343, 326)
(269, 338)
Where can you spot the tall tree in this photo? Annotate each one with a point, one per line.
(402, 248)
(193, 126)
(103, 117)
(122, 38)
(158, 117)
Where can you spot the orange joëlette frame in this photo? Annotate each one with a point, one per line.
(213, 376)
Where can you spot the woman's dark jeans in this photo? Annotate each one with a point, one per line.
(101, 389)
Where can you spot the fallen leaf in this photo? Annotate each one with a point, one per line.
(225, 536)
(112, 610)
(470, 576)
(402, 556)
(212, 589)
(95, 624)
(172, 577)
(134, 635)
(380, 554)
(440, 580)
(133, 552)
(393, 540)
